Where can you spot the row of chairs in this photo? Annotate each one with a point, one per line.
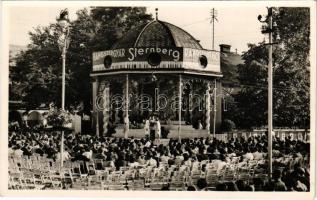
(95, 175)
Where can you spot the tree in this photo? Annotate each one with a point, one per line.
(290, 79)
(38, 69)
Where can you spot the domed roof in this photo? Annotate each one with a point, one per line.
(157, 34)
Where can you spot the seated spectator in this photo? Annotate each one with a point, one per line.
(164, 158)
(231, 186)
(141, 160)
(278, 184)
(249, 188)
(258, 184)
(88, 153)
(151, 162)
(221, 187)
(133, 163)
(100, 154)
(248, 156)
(241, 185)
(191, 188)
(201, 184)
(17, 152)
(220, 164)
(257, 155)
(109, 161)
(66, 155)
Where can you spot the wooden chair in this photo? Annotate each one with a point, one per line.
(136, 184)
(56, 180)
(91, 168)
(27, 179)
(229, 175)
(15, 181)
(194, 176)
(95, 182)
(77, 170)
(212, 177)
(177, 183)
(244, 174)
(114, 182)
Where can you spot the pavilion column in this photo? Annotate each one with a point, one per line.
(179, 107)
(106, 108)
(208, 108)
(156, 99)
(141, 95)
(215, 108)
(95, 91)
(190, 103)
(126, 107)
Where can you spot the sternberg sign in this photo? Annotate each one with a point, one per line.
(148, 57)
(138, 54)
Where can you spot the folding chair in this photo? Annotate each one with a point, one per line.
(15, 181)
(229, 175)
(38, 180)
(99, 165)
(212, 177)
(157, 183)
(27, 180)
(177, 183)
(56, 180)
(194, 176)
(129, 175)
(244, 174)
(76, 170)
(136, 184)
(114, 182)
(91, 169)
(47, 180)
(95, 182)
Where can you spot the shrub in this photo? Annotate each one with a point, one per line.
(228, 125)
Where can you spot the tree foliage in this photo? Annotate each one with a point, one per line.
(290, 75)
(37, 75)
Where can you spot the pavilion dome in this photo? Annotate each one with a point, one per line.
(157, 34)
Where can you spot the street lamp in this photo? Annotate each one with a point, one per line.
(63, 22)
(268, 28)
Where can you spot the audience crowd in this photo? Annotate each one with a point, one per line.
(291, 157)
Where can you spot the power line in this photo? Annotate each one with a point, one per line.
(196, 22)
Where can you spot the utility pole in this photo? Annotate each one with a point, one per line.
(213, 13)
(269, 29)
(270, 93)
(215, 109)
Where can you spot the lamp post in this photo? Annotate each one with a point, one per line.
(268, 28)
(63, 22)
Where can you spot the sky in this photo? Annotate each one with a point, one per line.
(236, 26)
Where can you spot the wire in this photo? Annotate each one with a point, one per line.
(196, 22)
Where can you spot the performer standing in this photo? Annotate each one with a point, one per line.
(152, 128)
(147, 128)
(158, 128)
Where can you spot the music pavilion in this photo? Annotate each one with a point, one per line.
(155, 69)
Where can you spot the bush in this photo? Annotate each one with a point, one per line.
(228, 125)
(164, 132)
(58, 117)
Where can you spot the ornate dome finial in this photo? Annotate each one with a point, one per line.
(156, 13)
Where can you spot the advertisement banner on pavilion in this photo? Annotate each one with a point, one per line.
(147, 57)
(138, 54)
(201, 59)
